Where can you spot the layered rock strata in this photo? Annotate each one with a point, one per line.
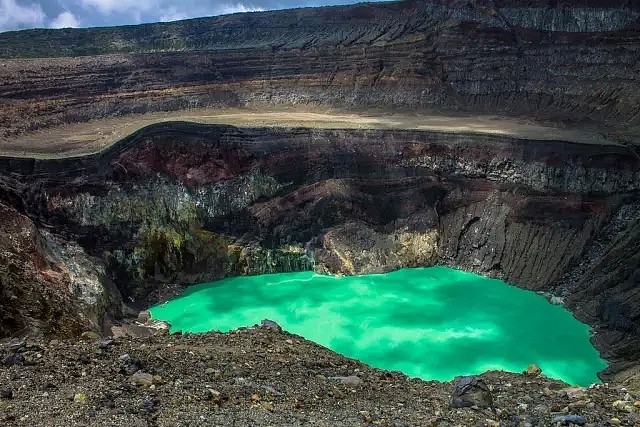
(575, 61)
(177, 203)
(183, 203)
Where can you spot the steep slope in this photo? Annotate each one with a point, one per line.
(574, 63)
(176, 202)
(179, 203)
(49, 285)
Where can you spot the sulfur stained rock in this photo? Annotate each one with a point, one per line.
(533, 371)
(355, 248)
(81, 398)
(624, 406)
(90, 336)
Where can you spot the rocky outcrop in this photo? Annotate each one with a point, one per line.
(529, 240)
(355, 248)
(49, 286)
(602, 286)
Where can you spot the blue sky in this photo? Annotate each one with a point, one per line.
(19, 14)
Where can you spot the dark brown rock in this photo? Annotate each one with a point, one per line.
(467, 392)
(576, 62)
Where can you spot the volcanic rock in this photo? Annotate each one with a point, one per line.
(470, 391)
(544, 193)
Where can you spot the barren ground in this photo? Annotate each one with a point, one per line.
(257, 377)
(90, 137)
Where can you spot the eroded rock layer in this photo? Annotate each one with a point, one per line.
(183, 203)
(177, 203)
(49, 285)
(573, 61)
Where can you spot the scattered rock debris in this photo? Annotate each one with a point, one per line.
(261, 377)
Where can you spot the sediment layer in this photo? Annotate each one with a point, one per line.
(576, 63)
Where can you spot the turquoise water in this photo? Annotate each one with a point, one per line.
(432, 323)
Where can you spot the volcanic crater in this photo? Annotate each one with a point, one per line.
(494, 137)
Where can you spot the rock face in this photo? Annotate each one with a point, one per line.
(183, 203)
(569, 60)
(177, 203)
(48, 286)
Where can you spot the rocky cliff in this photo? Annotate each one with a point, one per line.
(176, 203)
(49, 285)
(571, 61)
(182, 203)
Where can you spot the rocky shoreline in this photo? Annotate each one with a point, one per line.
(264, 376)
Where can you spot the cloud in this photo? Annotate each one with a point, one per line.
(119, 6)
(14, 15)
(18, 14)
(225, 9)
(174, 13)
(65, 20)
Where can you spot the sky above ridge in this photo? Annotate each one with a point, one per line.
(20, 14)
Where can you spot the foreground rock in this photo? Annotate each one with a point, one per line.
(265, 377)
(468, 392)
